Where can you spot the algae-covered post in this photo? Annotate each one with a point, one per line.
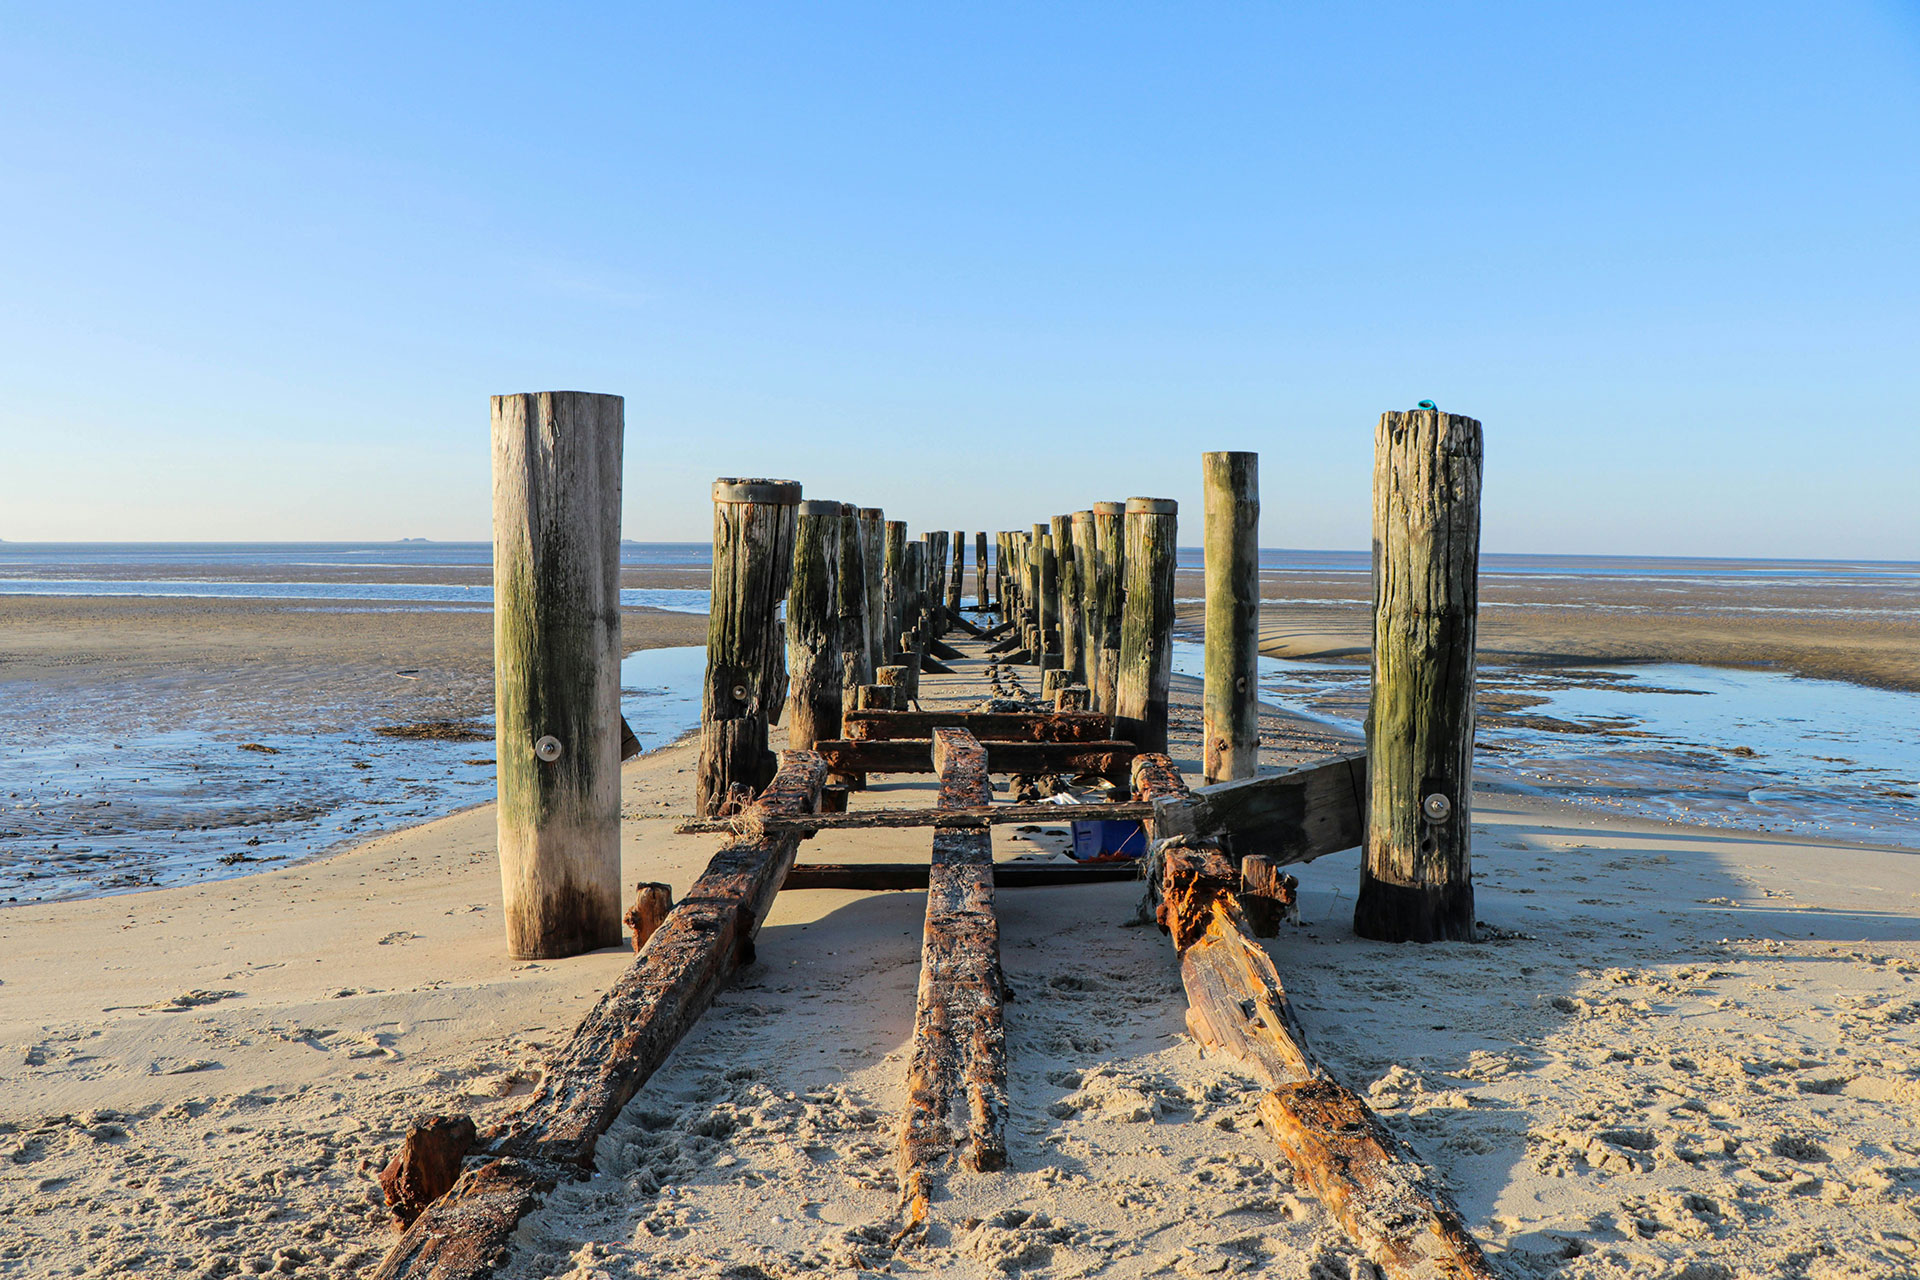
(1086, 552)
(893, 583)
(1230, 699)
(850, 605)
(556, 652)
(873, 544)
(957, 572)
(1109, 540)
(1067, 571)
(753, 531)
(813, 630)
(1146, 625)
(980, 569)
(1416, 883)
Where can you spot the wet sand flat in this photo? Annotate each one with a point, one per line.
(1868, 634)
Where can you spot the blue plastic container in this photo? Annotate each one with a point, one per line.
(1101, 839)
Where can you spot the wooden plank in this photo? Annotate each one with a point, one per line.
(910, 755)
(881, 876)
(1371, 1184)
(616, 1047)
(975, 816)
(1288, 817)
(959, 1062)
(988, 726)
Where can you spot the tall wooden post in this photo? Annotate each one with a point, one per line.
(850, 605)
(753, 530)
(1030, 589)
(1064, 571)
(873, 546)
(980, 569)
(1049, 581)
(813, 631)
(1086, 555)
(1146, 624)
(556, 656)
(894, 584)
(1109, 537)
(913, 581)
(956, 573)
(1230, 697)
(1416, 881)
(936, 602)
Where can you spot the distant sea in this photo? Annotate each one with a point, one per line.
(356, 571)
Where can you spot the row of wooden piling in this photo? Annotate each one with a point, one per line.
(865, 606)
(1088, 597)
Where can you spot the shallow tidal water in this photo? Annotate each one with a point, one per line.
(1759, 750)
(87, 809)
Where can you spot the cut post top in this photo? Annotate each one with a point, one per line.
(1152, 506)
(1109, 508)
(871, 513)
(775, 492)
(538, 395)
(821, 507)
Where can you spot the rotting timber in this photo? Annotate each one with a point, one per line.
(1368, 1180)
(1215, 876)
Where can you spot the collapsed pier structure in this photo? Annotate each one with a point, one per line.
(1068, 642)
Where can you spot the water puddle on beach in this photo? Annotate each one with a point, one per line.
(1756, 750)
(88, 807)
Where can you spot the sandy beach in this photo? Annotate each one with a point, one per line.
(1683, 1053)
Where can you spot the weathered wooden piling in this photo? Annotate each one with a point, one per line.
(956, 573)
(850, 604)
(1109, 590)
(753, 533)
(873, 545)
(980, 569)
(894, 585)
(1416, 880)
(1086, 553)
(1067, 571)
(813, 631)
(1049, 579)
(934, 600)
(556, 646)
(1030, 588)
(1146, 625)
(1230, 697)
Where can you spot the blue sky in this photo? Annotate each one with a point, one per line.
(974, 264)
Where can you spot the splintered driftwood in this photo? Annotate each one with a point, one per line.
(1369, 1181)
(464, 1234)
(959, 1041)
